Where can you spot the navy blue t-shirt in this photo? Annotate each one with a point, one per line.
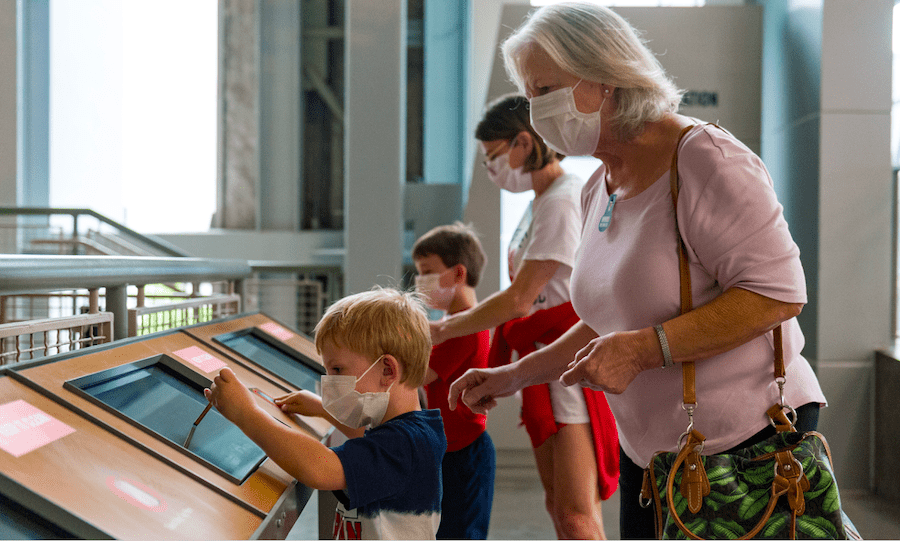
(393, 478)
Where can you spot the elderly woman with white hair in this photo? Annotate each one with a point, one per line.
(595, 89)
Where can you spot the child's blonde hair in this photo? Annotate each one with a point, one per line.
(378, 322)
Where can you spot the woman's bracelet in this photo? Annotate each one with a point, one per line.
(664, 343)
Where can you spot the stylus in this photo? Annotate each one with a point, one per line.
(197, 422)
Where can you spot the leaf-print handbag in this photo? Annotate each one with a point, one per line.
(781, 488)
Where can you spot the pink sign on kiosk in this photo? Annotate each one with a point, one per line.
(24, 428)
(201, 359)
(136, 494)
(277, 331)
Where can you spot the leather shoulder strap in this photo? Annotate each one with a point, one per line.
(688, 367)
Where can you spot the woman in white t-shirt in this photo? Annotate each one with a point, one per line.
(596, 89)
(562, 422)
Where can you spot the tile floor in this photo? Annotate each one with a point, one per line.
(519, 513)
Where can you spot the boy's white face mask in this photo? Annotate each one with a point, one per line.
(351, 407)
(435, 295)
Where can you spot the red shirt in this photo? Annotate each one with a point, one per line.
(450, 360)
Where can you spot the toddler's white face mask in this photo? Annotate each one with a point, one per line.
(351, 407)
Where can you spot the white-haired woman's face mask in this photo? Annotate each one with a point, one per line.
(555, 115)
(562, 126)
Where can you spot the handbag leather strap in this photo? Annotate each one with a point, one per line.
(688, 367)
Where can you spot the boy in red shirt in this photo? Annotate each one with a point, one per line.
(449, 260)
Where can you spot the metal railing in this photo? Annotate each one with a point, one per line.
(62, 259)
(28, 275)
(21, 341)
(38, 230)
(149, 319)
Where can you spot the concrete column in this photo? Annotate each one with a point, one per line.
(280, 116)
(8, 101)
(375, 143)
(117, 303)
(826, 141)
(238, 154)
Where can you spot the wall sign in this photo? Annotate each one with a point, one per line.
(696, 98)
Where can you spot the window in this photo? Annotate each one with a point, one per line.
(133, 111)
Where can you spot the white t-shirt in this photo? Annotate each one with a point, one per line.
(550, 230)
(627, 278)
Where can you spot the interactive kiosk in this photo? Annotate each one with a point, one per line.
(92, 445)
(266, 346)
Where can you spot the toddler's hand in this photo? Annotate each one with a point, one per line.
(230, 397)
(301, 402)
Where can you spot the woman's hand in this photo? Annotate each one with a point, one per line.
(610, 363)
(302, 403)
(479, 388)
(233, 400)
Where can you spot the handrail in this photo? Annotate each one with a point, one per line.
(21, 274)
(82, 330)
(196, 310)
(159, 244)
(33, 273)
(90, 245)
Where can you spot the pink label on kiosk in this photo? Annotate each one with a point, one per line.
(24, 428)
(277, 331)
(201, 359)
(136, 494)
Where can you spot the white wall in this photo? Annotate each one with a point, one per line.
(826, 140)
(855, 224)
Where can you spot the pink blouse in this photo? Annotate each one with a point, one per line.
(627, 278)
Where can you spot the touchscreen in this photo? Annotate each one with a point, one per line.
(294, 370)
(165, 400)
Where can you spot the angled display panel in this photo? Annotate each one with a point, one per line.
(64, 475)
(162, 396)
(18, 522)
(275, 356)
